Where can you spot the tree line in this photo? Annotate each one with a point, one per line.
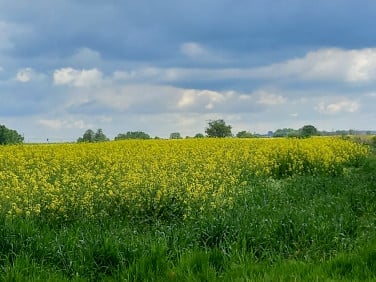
(215, 129)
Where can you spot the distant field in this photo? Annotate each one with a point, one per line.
(179, 209)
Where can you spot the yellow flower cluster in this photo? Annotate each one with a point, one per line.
(155, 177)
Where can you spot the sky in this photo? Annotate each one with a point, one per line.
(173, 65)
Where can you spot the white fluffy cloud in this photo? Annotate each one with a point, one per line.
(193, 98)
(331, 64)
(24, 75)
(28, 74)
(78, 78)
(270, 99)
(120, 96)
(340, 106)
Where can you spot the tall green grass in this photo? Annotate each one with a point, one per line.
(293, 229)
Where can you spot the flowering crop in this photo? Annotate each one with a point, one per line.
(157, 178)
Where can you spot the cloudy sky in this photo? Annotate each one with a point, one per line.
(172, 65)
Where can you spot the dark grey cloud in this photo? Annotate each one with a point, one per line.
(149, 31)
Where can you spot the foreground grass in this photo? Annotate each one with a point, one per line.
(298, 228)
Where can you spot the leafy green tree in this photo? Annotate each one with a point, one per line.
(100, 136)
(121, 136)
(285, 132)
(175, 135)
(218, 128)
(308, 130)
(244, 134)
(90, 136)
(9, 136)
(132, 135)
(199, 135)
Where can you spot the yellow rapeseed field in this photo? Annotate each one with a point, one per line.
(154, 177)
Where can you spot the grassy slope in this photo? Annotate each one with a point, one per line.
(302, 228)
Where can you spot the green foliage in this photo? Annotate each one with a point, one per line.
(9, 136)
(294, 134)
(100, 136)
(132, 135)
(244, 134)
(199, 135)
(90, 136)
(304, 132)
(303, 228)
(218, 128)
(308, 131)
(285, 132)
(175, 135)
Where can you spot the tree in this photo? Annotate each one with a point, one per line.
(9, 136)
(87, 137)
(91, 137)
(218, 128)
(175, 135)
(308, 131)
(244, 134)
(295, 134)
(199, 135)
(132, 135)
(100, 136)
(285, 132)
